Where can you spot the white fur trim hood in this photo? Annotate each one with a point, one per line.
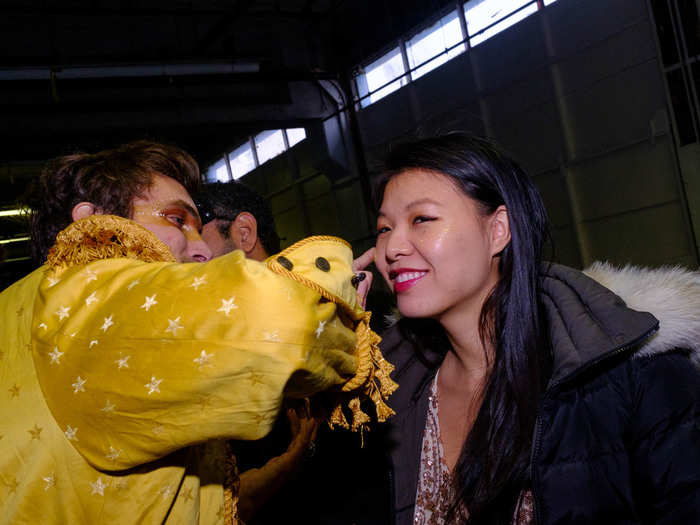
(671, 294)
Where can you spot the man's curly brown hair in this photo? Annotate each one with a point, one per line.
(109, 179)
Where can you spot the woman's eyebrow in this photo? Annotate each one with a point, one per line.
(413, 204)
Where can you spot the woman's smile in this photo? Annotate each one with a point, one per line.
(405, 278)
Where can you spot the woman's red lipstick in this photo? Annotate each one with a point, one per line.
(405, 278)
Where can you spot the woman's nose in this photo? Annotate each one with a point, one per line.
(397, 244)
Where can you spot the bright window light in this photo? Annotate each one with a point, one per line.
(242, 160)
(547, 2)
(378, 73)
(295, 136)
(482, 13)
(432, 42)
(269, 144)
(14, 212)
(218, 172)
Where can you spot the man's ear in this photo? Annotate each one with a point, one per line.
(499, 224)
(244, 231)
(82, 210)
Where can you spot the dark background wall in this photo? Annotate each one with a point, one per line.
(579, 92)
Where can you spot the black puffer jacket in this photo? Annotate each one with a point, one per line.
(617, 439)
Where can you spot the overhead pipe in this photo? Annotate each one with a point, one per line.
(126, 70)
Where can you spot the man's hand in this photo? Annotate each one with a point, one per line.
(258, 485)
(364, 283)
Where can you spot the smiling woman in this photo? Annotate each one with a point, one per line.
(496, 421)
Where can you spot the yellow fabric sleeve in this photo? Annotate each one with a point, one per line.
(137, 360)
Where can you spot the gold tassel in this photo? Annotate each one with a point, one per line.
(105, 237)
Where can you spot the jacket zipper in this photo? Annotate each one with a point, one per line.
(538, 419)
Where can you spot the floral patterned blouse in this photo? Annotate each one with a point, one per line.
(435, 490)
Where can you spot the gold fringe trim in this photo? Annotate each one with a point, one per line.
(372, 380)
(105, 237)
(231, 488)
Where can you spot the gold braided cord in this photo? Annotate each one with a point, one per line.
(313, 238)
(105, 237)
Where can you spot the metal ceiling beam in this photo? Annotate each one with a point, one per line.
(222, 27)
(153, 11)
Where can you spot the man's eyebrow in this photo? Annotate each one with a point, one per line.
(187, 206)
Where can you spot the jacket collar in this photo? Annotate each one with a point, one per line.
(587, 321)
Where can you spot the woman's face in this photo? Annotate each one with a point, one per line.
(435, 248)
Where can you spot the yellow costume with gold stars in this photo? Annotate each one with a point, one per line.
(122, 377)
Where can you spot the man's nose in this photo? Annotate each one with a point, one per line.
(198, 250)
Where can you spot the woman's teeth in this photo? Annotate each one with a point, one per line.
(407, 276)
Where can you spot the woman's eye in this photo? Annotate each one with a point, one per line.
(422, 218)
(383, 229)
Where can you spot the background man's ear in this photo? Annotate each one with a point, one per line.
(500, 230)
(244, 231)
(82, 210)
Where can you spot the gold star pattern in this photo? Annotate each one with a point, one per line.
(50, 481)
(198, 281)
(63, 312)
(174, 325)
(20, 311)
(204, 403)
(154, 385)
(91, 299)
(227, 305)
(149, 301)
(187, 494)
(14, 391)
(256, 378)
(13, 485)
(259, 417)
(35, 432)
(203, 359)
(108, 322)
(120, 484)
(98, 487)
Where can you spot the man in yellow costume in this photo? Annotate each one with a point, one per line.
(125, 366)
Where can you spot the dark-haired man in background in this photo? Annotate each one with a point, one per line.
(234, 217)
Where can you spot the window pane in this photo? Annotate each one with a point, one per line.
(242, 160)
(382, 71)
(269, 144)
(433, 41)
(664, 28)
(295, 136)
(217, 172)
(482, 13)
(547, 2)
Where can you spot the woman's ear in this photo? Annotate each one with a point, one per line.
(499, 229)
(82, 210)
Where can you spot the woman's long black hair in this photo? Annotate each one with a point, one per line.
(493, 467)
